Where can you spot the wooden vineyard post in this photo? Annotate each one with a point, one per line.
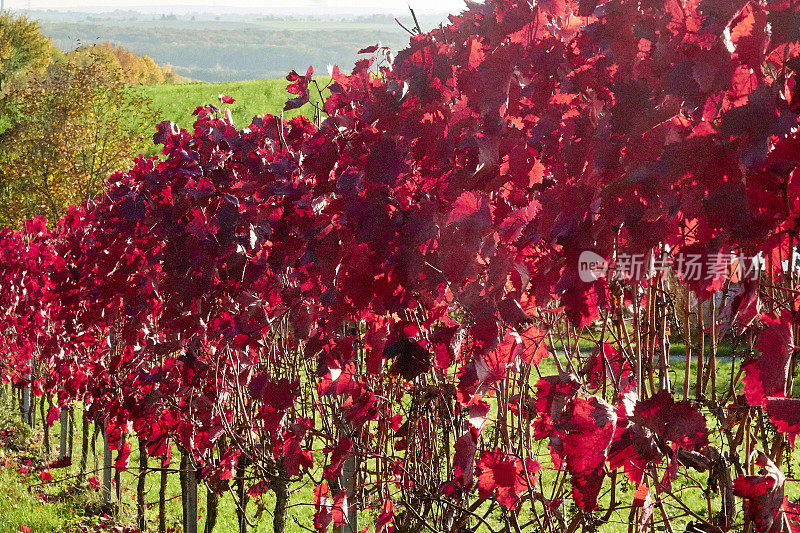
(64, 437)
(106, 467)
(212, 507)
(45, 425)
(162, 499)
(84, 444)
(348, 479)
(191, 501)
(117, 473)
(26, 401)
(348, 482)
(241, 491)
(141, 521)
(32, 420)
(71, 431)
(189, 493)
(280, 486)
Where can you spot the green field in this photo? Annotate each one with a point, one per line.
(176, 102)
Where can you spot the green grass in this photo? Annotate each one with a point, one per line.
(176, 102)
(20, 507)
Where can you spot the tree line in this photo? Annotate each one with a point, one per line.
(66, 119)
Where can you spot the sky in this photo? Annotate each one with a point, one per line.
(266, 6)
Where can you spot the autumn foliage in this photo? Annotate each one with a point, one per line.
(373, 302)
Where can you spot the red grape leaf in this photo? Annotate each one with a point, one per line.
(227, 464)
(552, 395)
(763, 496)
(721, 11)
(278, 394)
(340, 453)
(124, 454)
(323, 507)
(464, 458)
(63, 462)
(785, 414)
(52, 415)
(384, 523)
(785, 26)
(294, 457)
(633, 449)
(369, 49)
(410, 359)
(588, 426)
(340, 508)
(678, 422)
(768, 374)
(502, 476)
(258, 489)
(644, 499)
(617, 370)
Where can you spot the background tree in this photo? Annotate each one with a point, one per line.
(23, 50)
(79, 126)
(128, 67)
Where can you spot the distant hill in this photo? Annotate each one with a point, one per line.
(216, 49)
